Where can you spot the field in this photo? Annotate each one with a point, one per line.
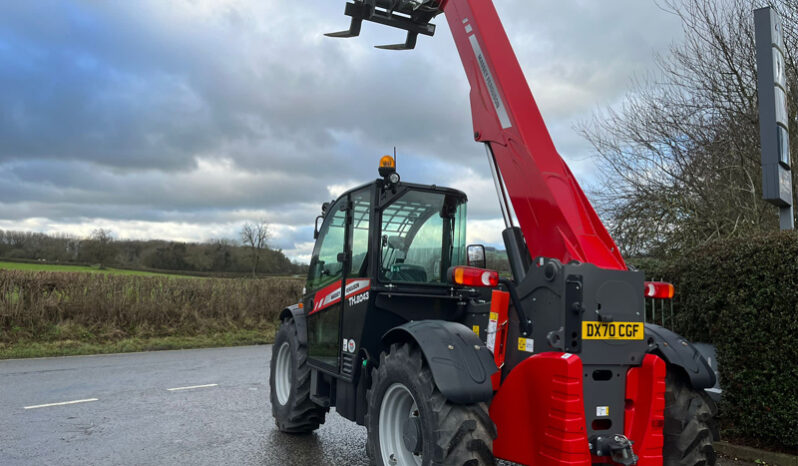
(44, 267)
(45, 313)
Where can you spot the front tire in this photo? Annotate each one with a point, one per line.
(689, 423)
(293, 410)
(410, 422)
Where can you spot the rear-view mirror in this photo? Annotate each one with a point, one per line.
(317, 229)
(476, 256)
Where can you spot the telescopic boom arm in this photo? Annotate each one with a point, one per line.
(555, 217)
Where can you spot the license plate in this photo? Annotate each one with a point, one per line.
(613, 330)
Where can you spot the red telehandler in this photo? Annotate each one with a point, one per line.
(403, 330)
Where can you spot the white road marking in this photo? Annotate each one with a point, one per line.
(60, 404)
(193, 386)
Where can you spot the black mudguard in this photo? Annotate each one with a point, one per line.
(461, 364)
(710, 354)
(676, 350)
(299, 319)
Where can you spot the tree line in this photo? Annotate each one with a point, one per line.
(218, 256)
(680, 157)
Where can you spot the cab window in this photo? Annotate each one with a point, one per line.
(423, 234)
(361, 202)
(324, 265)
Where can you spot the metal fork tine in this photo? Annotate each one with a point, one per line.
(353, 31)
(409, 44)
(340, 34)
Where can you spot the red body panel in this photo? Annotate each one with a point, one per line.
(554, 215)
(644, 417)
(540, 414)
(499, 306)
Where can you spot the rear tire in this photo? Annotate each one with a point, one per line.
(448, 434)
(689, 423)
(289, 381)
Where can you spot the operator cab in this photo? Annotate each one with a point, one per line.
(382, 251)
(419, 233)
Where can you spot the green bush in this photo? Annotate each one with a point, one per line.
(742, 296)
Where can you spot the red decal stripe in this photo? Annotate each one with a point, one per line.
(356, 286)
(326, 297)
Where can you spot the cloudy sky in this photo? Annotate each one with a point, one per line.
(183, 119)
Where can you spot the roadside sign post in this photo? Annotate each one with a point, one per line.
(773, 118)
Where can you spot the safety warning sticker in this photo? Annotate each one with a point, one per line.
(493, 324)
(526, 344)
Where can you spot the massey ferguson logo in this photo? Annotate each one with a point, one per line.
(357, 291)
(356, 286)
(327, 300)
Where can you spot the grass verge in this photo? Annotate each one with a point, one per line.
(38, 349)
(43, 267)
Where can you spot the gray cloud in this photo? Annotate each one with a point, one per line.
(208, 112)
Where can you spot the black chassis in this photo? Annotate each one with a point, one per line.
(548, 304)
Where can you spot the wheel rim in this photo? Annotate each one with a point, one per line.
(282, 373)
(398, 405)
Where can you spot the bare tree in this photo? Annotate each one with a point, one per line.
(680, 157)
(254, 236)
(99, 247)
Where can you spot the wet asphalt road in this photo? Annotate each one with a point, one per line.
(137, 420)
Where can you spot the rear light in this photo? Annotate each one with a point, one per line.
(474, 276)
(660, 290)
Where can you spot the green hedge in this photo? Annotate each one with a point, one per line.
(742, 296)
(96, 307)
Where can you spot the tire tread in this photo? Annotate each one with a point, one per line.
(465, 433)
(302, 414)
(689, 424)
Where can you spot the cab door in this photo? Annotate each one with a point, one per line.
(323, 300)
(356, 276)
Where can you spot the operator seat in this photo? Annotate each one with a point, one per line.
(401, 271)
(408, 273)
